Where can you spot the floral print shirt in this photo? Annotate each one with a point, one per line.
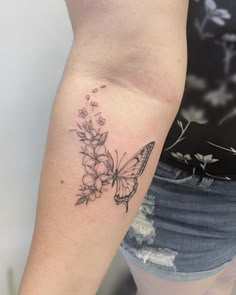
(202, 137)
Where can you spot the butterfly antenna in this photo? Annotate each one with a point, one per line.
(116, 159)
(121, 160)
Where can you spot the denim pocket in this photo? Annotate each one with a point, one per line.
(171, 174)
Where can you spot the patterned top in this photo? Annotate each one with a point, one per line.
(203, 134)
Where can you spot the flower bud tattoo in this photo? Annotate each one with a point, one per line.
(101, 171)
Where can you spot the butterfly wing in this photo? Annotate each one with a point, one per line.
(126, 180)
(135, 166)
(125, 189)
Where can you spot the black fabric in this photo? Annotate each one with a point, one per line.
(207, 115)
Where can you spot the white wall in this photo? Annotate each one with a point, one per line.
(35, 37)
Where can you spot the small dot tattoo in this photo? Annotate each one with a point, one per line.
(98, 114)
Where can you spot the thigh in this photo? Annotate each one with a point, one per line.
(148, 284)
(225, 282)
(229, 272)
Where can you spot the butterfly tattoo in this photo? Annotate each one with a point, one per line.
(101, 171)
(126, 177)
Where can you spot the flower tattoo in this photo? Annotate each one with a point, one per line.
(100, 170)
(94, 104)
(101, 121)
(83, 113)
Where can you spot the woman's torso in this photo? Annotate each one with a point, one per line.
(203, 133)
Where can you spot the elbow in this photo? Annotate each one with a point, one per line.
(158, 74)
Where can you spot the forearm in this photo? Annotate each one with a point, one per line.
(73, 245)
(95, 175)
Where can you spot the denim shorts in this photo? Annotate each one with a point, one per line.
(185, 228)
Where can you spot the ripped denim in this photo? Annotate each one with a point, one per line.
(186, 226)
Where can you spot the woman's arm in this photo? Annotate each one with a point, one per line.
(118, 97)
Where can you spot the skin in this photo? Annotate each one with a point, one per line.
(73, 246)
(219, 284)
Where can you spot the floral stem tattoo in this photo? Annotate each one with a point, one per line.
(101, 171)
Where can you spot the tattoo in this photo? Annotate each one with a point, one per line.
(101, 171)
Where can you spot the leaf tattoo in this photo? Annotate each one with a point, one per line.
(101, 171)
